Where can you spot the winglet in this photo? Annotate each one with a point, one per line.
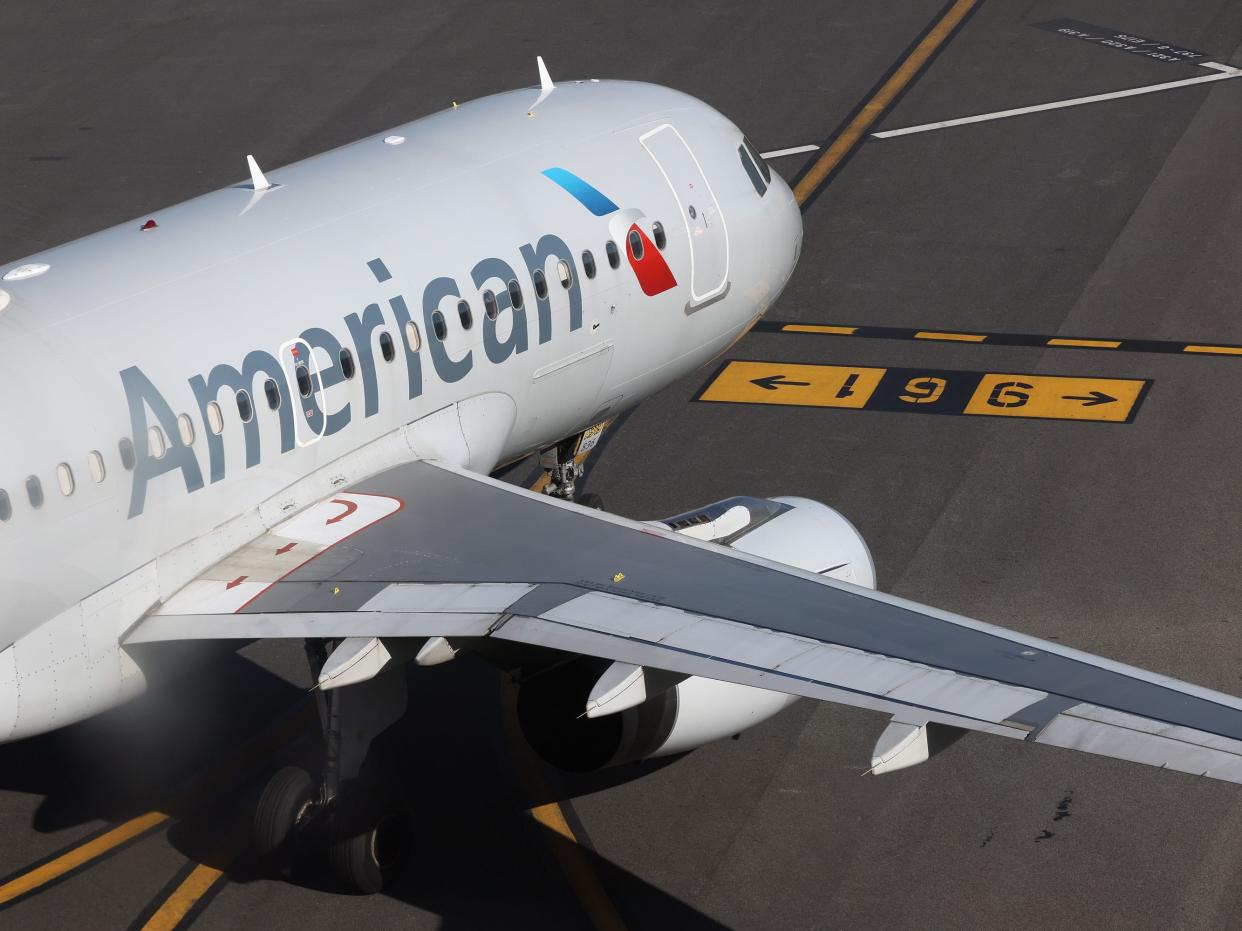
(545, 85)
(257, 179)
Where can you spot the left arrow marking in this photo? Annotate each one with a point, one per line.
(772, 382)
(236, 582)
(284, 549)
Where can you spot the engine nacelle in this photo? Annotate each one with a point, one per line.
(680, 714)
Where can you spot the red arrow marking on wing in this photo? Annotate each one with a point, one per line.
(236, 582)
(349, 506)
(284, 549)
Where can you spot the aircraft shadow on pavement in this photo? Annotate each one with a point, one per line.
(479, 858)
(137, 757)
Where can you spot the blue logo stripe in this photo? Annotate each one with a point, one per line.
(586, 195)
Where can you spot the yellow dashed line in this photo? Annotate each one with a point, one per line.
(1216, 350)
(1085, 343)
(819, 328)
(951, 337)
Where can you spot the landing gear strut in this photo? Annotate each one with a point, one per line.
(352, 807)
(563, 464)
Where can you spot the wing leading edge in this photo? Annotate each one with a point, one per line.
(424, 550)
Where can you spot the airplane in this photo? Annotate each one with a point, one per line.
(274, 411)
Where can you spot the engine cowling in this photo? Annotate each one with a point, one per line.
(681, 714)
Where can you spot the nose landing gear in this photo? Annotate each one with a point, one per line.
(563, 465)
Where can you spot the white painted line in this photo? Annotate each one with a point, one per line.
(796, 150)
(1224, 73)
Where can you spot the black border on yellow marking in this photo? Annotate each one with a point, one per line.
(1029, 340)
(962, 384)
(858, 108)
(81, 867)
(167, 891)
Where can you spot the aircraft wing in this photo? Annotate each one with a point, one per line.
(426, 550)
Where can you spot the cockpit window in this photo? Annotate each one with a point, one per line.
(763, 166)
(752, 170)
(6, 506)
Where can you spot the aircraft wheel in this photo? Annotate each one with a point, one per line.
(367, 850)
(287, 800)
(592, 501)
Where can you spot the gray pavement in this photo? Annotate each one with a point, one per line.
(1122, 219)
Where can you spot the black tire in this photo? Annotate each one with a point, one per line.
(367, 848)
(592, 501)
(286, 800)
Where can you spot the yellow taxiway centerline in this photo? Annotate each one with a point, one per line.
(873, 109)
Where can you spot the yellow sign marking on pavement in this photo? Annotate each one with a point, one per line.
(927, 391)
(774, 383)
(1056, 397)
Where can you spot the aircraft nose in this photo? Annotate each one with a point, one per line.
(786, 222)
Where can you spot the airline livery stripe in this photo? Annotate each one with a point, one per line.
(1033, 340)
(585, 194)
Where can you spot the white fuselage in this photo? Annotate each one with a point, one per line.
(130, 330)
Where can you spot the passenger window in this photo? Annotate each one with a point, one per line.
(439, 326)
(490, 307)
(157, 443)
(636, 245)
(96, 463)
(302, 374)
(515, 294)
(464, 314)
(128, 458)
(245, 409)
(185, 427)
(614, 256)
(215, 420)
(6, 506)
(752, 171)
(588, 264)
(541, 284)
(563, 273)
(413, 338)
(347, 364)
(657, 232)
(387, 349)
(272, 391)
(64, 478)
(34, 491)
(759, 160)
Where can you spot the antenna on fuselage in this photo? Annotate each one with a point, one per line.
(545, 85)
(258, 180)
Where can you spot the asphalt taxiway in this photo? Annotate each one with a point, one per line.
(1111, 221)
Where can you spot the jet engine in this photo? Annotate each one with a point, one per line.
(587, 714)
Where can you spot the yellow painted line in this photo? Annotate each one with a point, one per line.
(1216, 350)
(880, 101)
(1055, 396)
(951, 337)
(169, 915)
(1085, 343)
(819, 328)
(570, 857)
(80, 855)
